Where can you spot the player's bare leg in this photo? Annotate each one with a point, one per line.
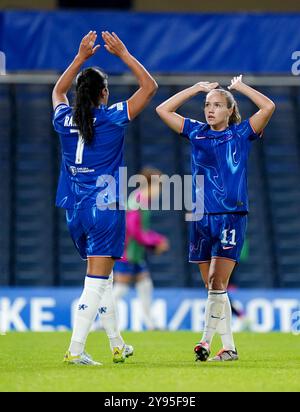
(204, 271)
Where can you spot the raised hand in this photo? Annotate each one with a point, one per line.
(236, 82)
(86, 49)
(113, 44)
(87, 46)
(206, 87)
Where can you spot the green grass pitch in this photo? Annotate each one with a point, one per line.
(163, 362)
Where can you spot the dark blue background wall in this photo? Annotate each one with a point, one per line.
(165, 42)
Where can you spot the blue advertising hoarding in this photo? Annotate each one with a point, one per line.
(51, 309)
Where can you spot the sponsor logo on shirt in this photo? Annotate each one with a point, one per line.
(75, 170)
(118, 106)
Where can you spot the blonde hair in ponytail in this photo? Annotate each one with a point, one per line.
(235, 118)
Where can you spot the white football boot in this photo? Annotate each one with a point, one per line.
(83, 359)
(225, 356)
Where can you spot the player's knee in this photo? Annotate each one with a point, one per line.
(215, 283)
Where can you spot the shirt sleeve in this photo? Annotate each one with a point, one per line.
(119, 114)
(59, 117)
(188, 126)
(246, 131)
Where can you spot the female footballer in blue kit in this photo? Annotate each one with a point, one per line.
(220, 149)
(92, 139)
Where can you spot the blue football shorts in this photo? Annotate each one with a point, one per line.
(128, 268)
(97, 232)
(217, 236)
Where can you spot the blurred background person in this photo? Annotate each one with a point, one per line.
(132, 269)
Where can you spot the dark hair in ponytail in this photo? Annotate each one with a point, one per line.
(235, 118)
(89, 85)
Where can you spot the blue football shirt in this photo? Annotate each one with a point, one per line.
(87, 170)
(221, 157)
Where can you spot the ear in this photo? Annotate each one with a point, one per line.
(104, 92)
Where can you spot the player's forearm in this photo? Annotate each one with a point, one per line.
(260, 100)
(65, 81)
(167, 109)
(144, 78)
(172, 104)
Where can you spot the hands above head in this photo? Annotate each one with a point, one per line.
(86, 50)
(147, 85)
(206, 87)
(87, 46)
(236, 82)
(114, 45)
(266, 106)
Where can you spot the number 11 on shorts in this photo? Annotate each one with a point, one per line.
(228, 237)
